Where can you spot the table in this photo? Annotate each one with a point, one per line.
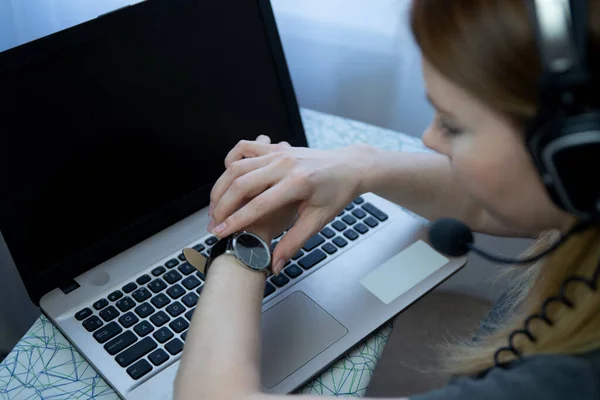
(44, 365)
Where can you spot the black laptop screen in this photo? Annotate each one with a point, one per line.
(115, 129)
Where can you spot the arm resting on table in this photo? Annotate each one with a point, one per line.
(222, 351)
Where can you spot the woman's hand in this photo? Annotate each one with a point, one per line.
(262, 178)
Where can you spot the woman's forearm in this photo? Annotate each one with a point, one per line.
(222, 350)
(424, 184)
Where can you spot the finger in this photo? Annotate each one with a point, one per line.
(263, 139)
(235, 170)
(247, 149)
(306, 226)
(265, 203)
(283, 145)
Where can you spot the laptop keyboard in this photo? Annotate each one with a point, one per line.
(144, 324)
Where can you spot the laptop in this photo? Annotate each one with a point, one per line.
(112, 135)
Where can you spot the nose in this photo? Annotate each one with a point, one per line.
(433, 139)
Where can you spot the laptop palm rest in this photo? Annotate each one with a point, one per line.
(293, 332)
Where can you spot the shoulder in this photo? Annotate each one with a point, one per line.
(545, 377)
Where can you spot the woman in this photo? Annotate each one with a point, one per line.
(481, 68)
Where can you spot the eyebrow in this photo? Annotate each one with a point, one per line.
(437, 107)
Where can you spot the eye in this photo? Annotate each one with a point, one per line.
(446, 127)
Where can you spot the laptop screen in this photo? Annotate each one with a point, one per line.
(114, 129)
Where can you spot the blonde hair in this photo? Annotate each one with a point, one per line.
(488, 49)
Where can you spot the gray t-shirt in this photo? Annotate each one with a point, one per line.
(546, 377)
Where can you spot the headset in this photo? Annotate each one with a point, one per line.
(564, 137)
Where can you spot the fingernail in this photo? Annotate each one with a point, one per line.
(278, 267)
(220, 229)
(211, 225)
(211, 208)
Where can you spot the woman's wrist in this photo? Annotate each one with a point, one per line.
(365, 165)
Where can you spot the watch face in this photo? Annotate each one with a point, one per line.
(250, 250)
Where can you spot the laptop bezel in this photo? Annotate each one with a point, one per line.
(62, 274)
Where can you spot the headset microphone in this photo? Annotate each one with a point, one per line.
(453, 238)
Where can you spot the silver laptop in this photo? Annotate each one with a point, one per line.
(112, 135)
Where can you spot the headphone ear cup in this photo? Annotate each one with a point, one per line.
(566, 151)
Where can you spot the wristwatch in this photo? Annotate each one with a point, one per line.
(248, 248)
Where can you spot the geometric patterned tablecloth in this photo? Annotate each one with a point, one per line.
(44, 365)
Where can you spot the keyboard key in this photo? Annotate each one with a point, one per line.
(143, 328)
(160, 300)
(190, 299)
(273, 245)
(128, 320)
(175, 309)
(136, 351)
(120, 342)
(312, 259)
(200, 275)
(174, 346)
(189, 314)
(83, 314)
(176, 291)
(372, 222)
(339, 226)
(351, 234)
(299, 254)
(172, 277)
(190, 282)
(125, 304)
(313, 242)
(116, 295)
(349, 207)
(199, 290)
(342, 213)
(349, 219)
(374, 211)
(340, 242)
(293, 271)
(328, 232)
(184, 335)
(158, 271)
(157, 285)
(130, 287)
(92, 323)
(109, 313)
(361, 228)
(329, 248)
(141, 295)
(199, 248)
(143, 310)
(268, 289)
(172, 263)
(108, 332)
(163, 334)
(142, 280)
(359, 200)
(100, 304)
(186, 268)
(358, 213)
(211, 240)
(179, 325)
(181, 257)
(139, 369)
(160, 318)
(280, 280)
(158, 357)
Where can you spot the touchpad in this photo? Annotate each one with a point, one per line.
(293, 333)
